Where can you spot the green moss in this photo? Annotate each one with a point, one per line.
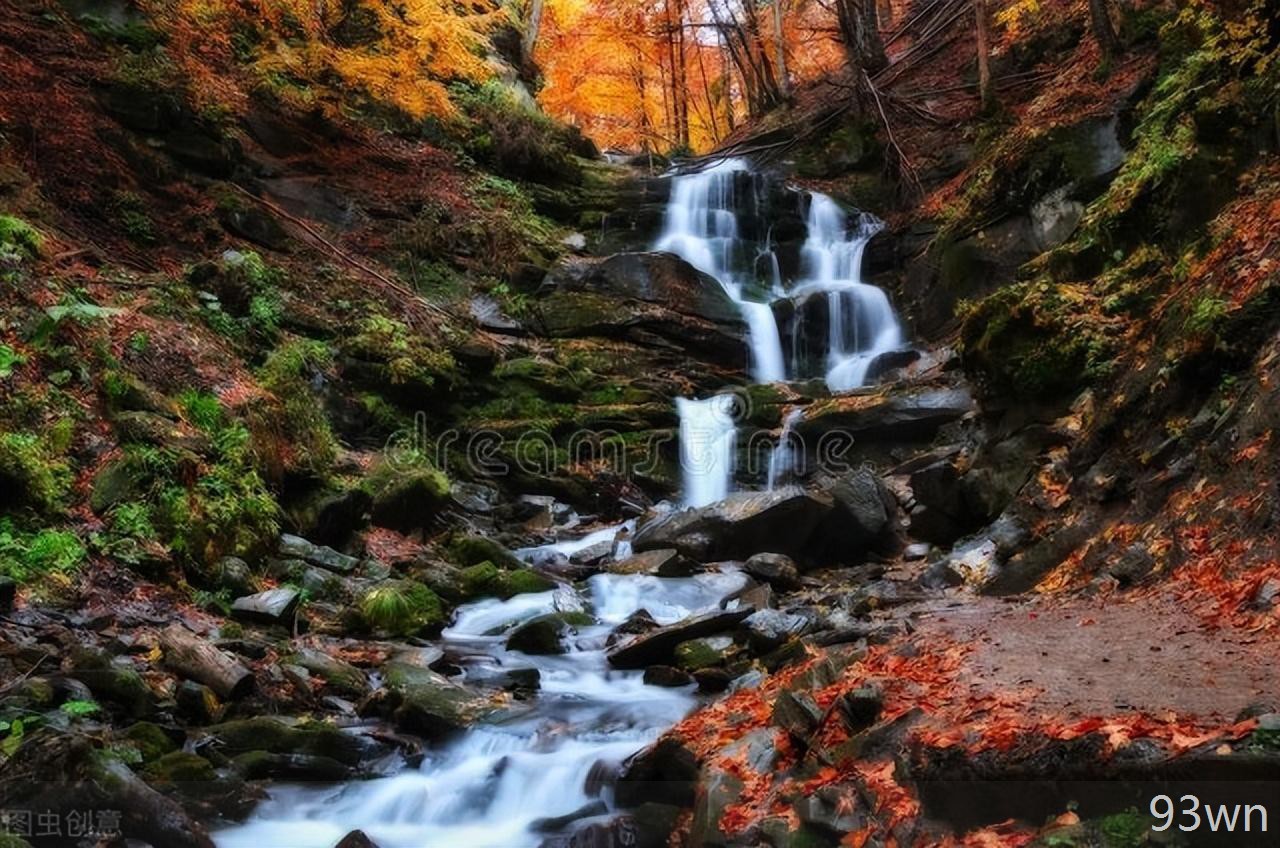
(468, 550)
(17, 236)
(268, 734)
(150, 740)
(180, 767)
(523, 581)
(406, 356)
(402, 608)
(1125, 830)
(33, 471)
(288, 374)
(479, 580)
(697, 654)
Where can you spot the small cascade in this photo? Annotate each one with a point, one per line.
(861, 323)
(708, 442)
(701, 227)
(782, 462)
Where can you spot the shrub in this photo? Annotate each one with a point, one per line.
(517, 140)
(288, 374)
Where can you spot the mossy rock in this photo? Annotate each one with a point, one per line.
(178, 767)
(150, 739)
(402, 608)
(409, 500)
(118, 686)
(521, 582)
(268, 734)
(703, 653)
(473, 550)
(545, 634)
(479, 580)
(485, 579)
(428, 703)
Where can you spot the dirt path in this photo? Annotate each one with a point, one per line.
(1089, 656)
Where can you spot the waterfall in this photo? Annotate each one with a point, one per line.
(708, 442)
(861, 322)
(701, 227)
(782, 462)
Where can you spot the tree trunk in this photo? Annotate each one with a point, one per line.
(984, 54)
(192, 657)
(1103, 31)
(780, 46)
(860, 35)
(531, 27)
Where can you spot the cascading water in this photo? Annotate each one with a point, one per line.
(708, 442)
(701, 227)
(861, 322)
(782, 462)
(489, 786)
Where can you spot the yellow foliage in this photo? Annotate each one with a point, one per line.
(419, 46)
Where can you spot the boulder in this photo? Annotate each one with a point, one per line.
(648, 298)
(797, 713)
(705, 652)
(410, 500)
(862, 518)
(742, 524)
(658, 646)
(274, 736)
(356, 839)
(339, 676)
(722, 787)
(233, 573)
(664, 773)
(778, 570)
(545, 634)
(429, 704)
(662, 562)
(766, 629)
(913, 414)
(666, 676)
(296, 547)
(274, 606)
(197, 703)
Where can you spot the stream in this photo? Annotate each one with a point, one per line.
(489, 787)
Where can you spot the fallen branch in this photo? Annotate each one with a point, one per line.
(343, 256)
(908, 169)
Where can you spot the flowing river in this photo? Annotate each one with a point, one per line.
(491, 786)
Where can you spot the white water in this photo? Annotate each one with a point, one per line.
(701, 227)
(782, 462)
(489, 785)
(708, 442)
(861, 322)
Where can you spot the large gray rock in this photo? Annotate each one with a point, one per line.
(899, 415)
(296, 547)
(274, 606)
(778, 570)
(644, 297)
(427, 703)
(658, 645)
(661, 562)
(742, 524)
(861, 519)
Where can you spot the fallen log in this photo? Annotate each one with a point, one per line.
(194, 658)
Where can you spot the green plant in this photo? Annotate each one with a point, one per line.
(131, 214)
(25, 556)
(20, 237)
(218, 601)
(9, 360)
(288, 374)
(202, 410)
(132, 520)
(401, 608)
(80, 709)
(14, 732)
(1206, 313)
